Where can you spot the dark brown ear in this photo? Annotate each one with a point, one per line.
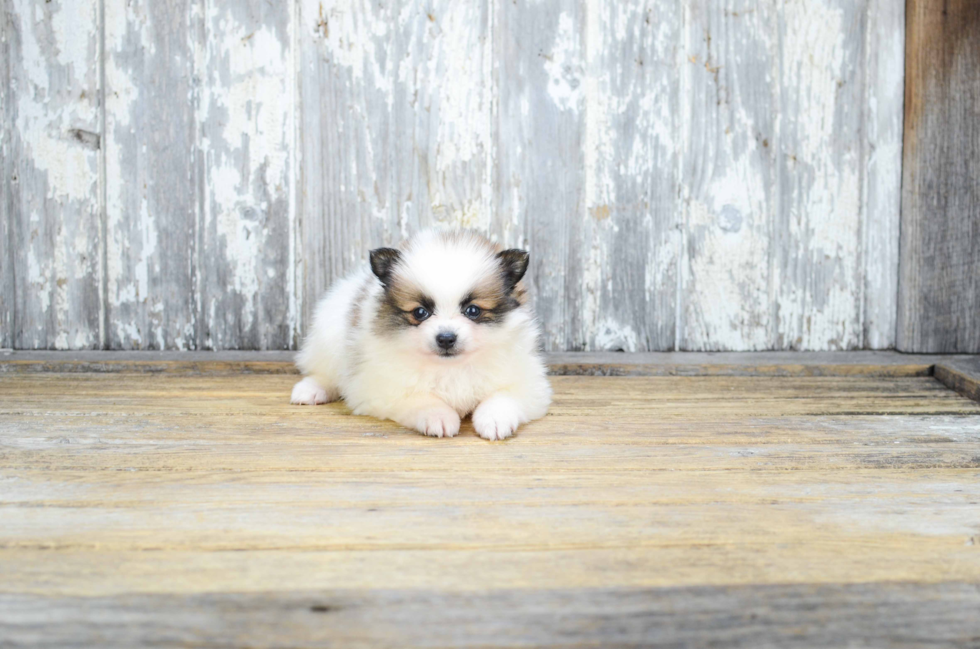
(383, 261)
(513, 265)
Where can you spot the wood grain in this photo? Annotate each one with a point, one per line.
(51, 199)
(695, 175)
(882, 363)
(153, 175)
(180, 508)
(395, 117)
(961, 375)
(895, 614)
(940, 252)
(247, 291)
(7, 277)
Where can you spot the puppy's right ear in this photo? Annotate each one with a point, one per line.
(383, 261)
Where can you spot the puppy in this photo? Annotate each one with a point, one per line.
(429, 334)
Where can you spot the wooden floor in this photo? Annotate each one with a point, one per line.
(184, 510)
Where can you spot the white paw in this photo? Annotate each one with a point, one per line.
(497, 417)
(438, 422)
(310, 393)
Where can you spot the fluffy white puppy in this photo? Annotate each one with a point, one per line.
(428, 334)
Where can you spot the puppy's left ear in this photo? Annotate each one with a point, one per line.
(383, 261)
(513, 265)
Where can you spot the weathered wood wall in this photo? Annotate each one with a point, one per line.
(939, 306)
(687, 175)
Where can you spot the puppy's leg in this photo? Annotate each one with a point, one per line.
(427, 415)
(309, 392)
(499, 415)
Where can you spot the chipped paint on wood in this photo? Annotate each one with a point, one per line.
(395, 123)
(51, 176)
(152, 174)
(696, 175)
(247, 131)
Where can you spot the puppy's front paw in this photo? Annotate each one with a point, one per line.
(310, 393)
(497, 417)
(438, 422)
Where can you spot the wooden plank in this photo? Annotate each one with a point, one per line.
(728, 178)
(810, 615)
(539, 183)
(939, 280)
(249, 230)
(962, 375)
(573, 363)
(884, 57)
(51, 175)
(395, 122)
(153, 174)
(7, 277)
(630, 241)
(818, 223)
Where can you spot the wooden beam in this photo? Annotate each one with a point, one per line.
(810, 615)
(863, 363)
(962, 375)
(939, 275)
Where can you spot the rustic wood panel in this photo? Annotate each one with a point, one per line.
(726, 297)
(796, 616)
(939, 296)
(791, 225)
(7, 277)
(884, 57)
(247, 264)
(693, 175)
(153, 174)
(208, 509)
(395, 104)
(817, 232)
(540, 72)
(629, 241)
(51, 206)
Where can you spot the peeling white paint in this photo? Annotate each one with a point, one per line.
(783, 231)
(563, 66)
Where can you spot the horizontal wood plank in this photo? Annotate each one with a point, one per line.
(892, 614)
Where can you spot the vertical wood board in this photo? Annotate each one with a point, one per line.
(152, 174)
(630, 240)
(729, 175)
(51, 174)
(539, 68)
(939, 279)
(247, 292)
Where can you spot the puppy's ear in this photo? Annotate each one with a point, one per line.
(383, 261)
(513, 265)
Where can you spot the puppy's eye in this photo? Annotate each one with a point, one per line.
(420, 313)
(472, 312)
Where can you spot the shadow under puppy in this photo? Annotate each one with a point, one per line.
(429, 334)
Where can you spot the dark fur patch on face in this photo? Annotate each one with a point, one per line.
(397, 303)
(383, 262)
(496, 297)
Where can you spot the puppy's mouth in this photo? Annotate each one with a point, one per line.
(448, 353)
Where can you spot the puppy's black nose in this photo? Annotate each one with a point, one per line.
(446, 339)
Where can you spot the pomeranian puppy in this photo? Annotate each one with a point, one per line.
(428, 334)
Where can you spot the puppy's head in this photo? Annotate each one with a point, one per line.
(449, 294)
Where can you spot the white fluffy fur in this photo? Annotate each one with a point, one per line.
(498, 376)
